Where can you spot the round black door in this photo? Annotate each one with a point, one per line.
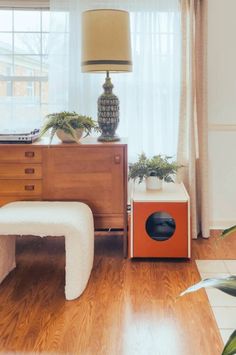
(160, 226)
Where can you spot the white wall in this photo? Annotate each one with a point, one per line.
(222, 111)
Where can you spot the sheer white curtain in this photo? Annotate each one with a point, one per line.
(149, 96)
(193, 125)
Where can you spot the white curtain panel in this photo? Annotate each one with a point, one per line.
(193, 125)
(149, 96)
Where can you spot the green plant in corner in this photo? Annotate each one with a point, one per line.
(160, 166)
(68, 122)
(227, 285)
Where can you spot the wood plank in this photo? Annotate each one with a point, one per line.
(129, 306)
(215, 247)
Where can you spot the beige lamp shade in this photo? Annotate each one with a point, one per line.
(106, 41)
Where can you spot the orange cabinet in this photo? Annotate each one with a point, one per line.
(159, 223)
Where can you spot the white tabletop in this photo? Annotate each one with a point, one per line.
(170, 193)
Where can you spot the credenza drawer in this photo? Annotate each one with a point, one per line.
(20, 154)
(20, 171)
(20, 187)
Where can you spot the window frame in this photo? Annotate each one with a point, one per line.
(40, 79)
(19, 4)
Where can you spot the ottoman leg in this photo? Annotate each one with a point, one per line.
(77, 273)
(7, 255)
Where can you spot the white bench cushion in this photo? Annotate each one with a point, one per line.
(73, 220)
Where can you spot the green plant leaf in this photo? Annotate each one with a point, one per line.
(227, 285)
(161, 166)
(228, 231)
(230, 346)
(68, 122)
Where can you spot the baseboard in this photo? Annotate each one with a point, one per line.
(222, 224)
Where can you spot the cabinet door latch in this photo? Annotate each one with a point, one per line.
(117, 159)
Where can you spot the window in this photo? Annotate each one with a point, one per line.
(23, 67)
(9, 83)
(149, 95)
(30, 85)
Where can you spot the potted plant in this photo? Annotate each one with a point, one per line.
(68, 126)
(224, 284)
(154, 171)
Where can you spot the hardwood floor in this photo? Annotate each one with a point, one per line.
(215, 247)
(128, 308)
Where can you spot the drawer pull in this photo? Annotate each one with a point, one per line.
(29, 171)
(29, 154)
(29, 187)
(117, 159)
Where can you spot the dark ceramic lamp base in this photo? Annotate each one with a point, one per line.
(108, 113)
(104, 138)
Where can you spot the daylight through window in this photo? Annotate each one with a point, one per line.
(23, 67)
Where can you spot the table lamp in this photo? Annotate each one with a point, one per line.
(106, 47)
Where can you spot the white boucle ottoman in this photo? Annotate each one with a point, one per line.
(73, 220)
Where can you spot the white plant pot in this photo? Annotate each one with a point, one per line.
(153, 183)
(67, 138)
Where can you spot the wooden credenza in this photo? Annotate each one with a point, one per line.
(91, 172)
